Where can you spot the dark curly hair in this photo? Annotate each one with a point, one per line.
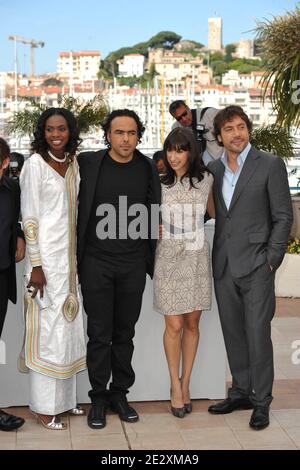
(182, 138)
(40, 144)
(106, 124)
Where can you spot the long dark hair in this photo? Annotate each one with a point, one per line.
(4, 150)
(182, 138)
(40, 144)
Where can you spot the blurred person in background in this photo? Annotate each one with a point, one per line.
(12, 250)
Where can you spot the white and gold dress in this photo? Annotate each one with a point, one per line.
(54, 347)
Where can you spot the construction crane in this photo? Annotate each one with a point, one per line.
(33, 45)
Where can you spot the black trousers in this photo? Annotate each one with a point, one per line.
(246, 308)
(112, 291)
(3, 297)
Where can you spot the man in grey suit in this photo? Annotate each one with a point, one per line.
(253, 222)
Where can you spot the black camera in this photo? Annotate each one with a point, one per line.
(200, 131)
(14, 170)
(15, 165)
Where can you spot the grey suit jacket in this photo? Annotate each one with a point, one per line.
(257, 225)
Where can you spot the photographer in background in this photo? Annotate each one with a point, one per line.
(200, 120)
(16, 165)
(158, 158)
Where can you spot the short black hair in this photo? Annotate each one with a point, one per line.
(158, 155)
(182, 138)
(40, 145)
(227, 114)
(175, 105)
(4, 150)
(106, 124)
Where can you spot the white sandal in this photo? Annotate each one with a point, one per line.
(77, 411)
(54, 425)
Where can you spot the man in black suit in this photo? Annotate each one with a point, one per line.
(253, 222)
(113, 258)
(12, 249)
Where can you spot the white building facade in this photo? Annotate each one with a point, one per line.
(132, 65)
(78, 66)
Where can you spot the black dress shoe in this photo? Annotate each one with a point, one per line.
(97, 416)
(10, 422)
(260, 418)
(125, 412)
(229, 405)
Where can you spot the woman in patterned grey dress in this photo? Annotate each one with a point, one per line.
(182, 275)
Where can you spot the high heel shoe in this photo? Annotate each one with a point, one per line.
(54, 425)
(177, 412)
(188, 407)
(77, 411)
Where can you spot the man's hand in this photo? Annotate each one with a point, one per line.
(20, 251)
(37, 281)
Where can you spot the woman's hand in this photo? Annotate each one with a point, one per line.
(37, 281)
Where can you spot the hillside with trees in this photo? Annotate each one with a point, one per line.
(164, 39)
(220, 62)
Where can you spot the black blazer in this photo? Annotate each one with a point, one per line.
(90, 165)
(17, 232)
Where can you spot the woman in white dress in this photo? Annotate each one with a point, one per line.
(54, 346)
(182, 274)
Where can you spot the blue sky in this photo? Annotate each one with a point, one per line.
(109, 25)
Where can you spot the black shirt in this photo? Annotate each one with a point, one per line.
(6, 223)
(131, 181)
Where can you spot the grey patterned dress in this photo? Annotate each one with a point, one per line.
(182, 274)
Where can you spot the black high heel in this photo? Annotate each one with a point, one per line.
(188, 407)
(177, 412)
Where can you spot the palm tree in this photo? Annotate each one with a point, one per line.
(274, 139)
(89, 115)
(280, 39)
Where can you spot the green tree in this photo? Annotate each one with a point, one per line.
(219, 67)
(89, 115)
(164, 39)
(214, 56)
(278, 41)
(52, 81)
(274, 139)
(229, 50)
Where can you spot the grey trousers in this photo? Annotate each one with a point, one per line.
(246, 308)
